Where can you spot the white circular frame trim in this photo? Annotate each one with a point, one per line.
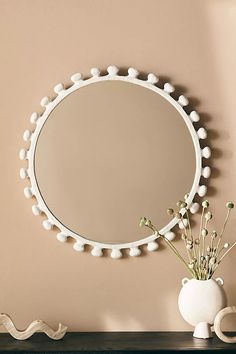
(39, 120)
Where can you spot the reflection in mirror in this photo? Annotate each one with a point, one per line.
(110, 153)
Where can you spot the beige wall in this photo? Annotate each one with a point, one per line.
(44, 42)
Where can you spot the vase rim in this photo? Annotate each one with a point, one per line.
(203, 280)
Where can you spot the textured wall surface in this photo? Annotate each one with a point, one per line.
(43, 42)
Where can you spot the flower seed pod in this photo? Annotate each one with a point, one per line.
(202, 258)
(197, 241)
(208, 249)
(178, 215)
(189, 247)
(191, 265)
(148, 223)
(189, 242)
(205, 204)
(207, 258)
(142, 221)
(214, 234)
(226, 245)
(230, 205)
(208, 216)
(186, 196)
(212, 261)
(204, 232)
(179, 203)
(183, 205)
(170, 211)
(184, 237)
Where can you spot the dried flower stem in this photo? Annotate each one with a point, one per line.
(178, 255)
(203, 239)
(199, 251)
(233, 245)
(204, 261)
(189, 225)
(188, 251)
(222, 231)
(148, 223)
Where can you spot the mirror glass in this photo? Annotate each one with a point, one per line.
(109, 153)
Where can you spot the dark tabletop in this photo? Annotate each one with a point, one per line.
(115, 342)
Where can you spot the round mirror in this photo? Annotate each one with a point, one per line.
(107, 151)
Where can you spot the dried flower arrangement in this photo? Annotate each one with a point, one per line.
(203, 258)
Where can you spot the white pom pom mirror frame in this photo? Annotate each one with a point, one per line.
(38, 121)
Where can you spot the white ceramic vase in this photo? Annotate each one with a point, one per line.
(199, 302)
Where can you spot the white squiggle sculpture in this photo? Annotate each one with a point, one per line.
(35, 326)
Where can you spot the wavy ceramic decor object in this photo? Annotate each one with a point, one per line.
(35, 326)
